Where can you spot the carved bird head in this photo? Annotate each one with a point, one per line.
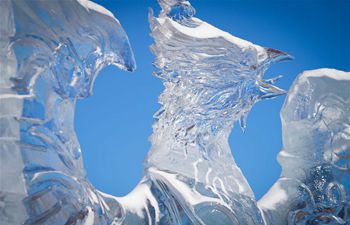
(208, 71)
(70, 45)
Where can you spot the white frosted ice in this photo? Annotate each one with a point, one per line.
(276, 194)
(204, 30)
(90, 5)
(136, 201)
(326, 72)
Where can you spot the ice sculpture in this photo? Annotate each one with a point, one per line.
(51, 52)
(314, 187)
(211, 79)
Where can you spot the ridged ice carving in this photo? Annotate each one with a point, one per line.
(211, 79)
(51, 52)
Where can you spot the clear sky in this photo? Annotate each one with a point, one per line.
(114, 124)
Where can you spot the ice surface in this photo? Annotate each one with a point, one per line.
(211, 79)
(315, 179)
(51, 52)
(50, 56)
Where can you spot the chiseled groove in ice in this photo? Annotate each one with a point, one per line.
(190, 195)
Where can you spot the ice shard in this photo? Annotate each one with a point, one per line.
(51, 52)
(314, 187)
(211, 80)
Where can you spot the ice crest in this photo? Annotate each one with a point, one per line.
(51, 52)
(315, 180)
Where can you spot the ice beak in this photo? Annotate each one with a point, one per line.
(268, 90)
(114, 42)
(274, 55)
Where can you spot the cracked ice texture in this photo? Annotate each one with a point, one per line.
(51, 52)
(314, 187)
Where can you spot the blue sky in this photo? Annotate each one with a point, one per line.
(114, 124)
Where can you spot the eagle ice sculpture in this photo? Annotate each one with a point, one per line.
(211, 79)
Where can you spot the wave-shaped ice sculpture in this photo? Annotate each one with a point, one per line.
(51, 52)
(211, 79)
(314, 187)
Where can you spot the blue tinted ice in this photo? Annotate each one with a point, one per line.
(51, 52)
(314, 187)
(211, 80)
